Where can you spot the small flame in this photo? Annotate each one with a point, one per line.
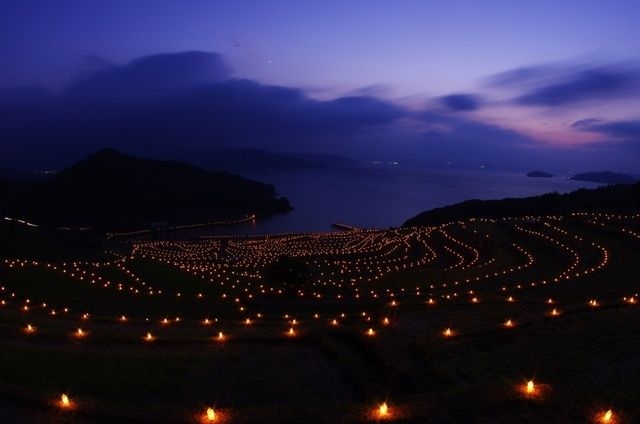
(448, 332)
(220, 336)
(530, 387)
(291, 332)
(64, 401)
(371, 332)
(383, 410)
(149, 337)
(607, 417)
(211, 415)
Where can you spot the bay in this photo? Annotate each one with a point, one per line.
(382, 196)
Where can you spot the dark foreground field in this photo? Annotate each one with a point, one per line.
(443, 324)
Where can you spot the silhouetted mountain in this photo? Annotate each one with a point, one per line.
(616, 198)
(111, 190)
(325, 159)
(258, 159)
(605, 177)
(539, 174)
(254, 159)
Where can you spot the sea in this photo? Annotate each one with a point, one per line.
(381, 196)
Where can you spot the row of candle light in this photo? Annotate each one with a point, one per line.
(448, 332)
(530, 390)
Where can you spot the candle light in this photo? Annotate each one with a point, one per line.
(383, 410)
(530, 387)
(64, 401)
(607, 417)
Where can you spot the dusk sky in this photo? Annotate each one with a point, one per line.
(540, 84)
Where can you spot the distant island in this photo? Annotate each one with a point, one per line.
(619, 198)
(539, 174)
(605, 177)
(110, 190)
(248, 159)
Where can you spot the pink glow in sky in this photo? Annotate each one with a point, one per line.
(511, 74)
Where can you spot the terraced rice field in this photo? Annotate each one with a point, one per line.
(439, 324)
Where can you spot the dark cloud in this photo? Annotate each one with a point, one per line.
(372, 90)
(620, 129)
(524, 75)
(585, 123)
(460, 102)
(485, 136)
(593, 84)
(562, 84)
(466, 142)
(620, 136)
(167, 103)
(458, 141)
(149, 75)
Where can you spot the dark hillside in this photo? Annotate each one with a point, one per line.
(18, 240)
(617, 198)
(112, 190)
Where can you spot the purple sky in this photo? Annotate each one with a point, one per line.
(531, 83)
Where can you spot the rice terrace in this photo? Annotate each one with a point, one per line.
(319, 212)
(481, 320)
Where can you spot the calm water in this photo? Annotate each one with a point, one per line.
(381, 197)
